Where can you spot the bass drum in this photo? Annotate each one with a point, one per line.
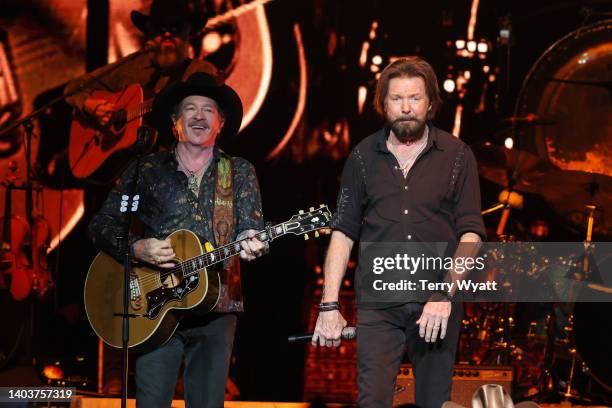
(569, 87)
(592, 328)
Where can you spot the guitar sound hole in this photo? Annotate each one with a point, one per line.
(113, 133)
(119, 120)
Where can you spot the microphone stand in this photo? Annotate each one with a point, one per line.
(142, 137)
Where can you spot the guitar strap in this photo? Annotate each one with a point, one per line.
(230, 298)
(223, 210)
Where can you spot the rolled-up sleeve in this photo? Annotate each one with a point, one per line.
(349, 205)
(468, 205)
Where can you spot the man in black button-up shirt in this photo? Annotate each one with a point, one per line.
(407, 183)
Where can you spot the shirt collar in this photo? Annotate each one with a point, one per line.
(170, 158)
(431, 134)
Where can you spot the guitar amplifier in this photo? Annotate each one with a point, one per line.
(466, 380)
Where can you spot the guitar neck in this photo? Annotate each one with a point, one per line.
(297, 225)
(140, 110)
(227, 251)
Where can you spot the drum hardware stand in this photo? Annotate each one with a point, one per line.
(569, 393)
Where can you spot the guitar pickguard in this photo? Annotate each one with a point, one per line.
(158, 298)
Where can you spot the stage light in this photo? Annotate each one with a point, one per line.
(492, 78)
(460, 44)
(486, 69)
(467, 74)
(457, 122)
(483, 47)
(377, 60)
(471, 46)
(509, 143)
(53, 372)
(363, 56)
(449, 85)
(373, 29)
(211, 42)
(362, 94)
(374, 68)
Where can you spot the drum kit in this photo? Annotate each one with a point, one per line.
(563, 128)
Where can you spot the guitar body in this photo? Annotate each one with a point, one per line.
(160, 301)
(101, 154)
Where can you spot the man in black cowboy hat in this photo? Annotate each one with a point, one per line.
(166, 33)
(198, 187)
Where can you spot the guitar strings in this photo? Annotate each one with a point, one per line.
(180, 267)
(207, 256)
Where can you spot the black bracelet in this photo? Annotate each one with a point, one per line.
(328, 306)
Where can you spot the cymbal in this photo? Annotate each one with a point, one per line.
(569, 192)
(573, 185)
(501, 166)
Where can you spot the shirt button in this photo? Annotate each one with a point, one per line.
(405, 211)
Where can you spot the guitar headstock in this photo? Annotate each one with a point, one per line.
(305, 222)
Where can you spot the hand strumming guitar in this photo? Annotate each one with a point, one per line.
(100, 109)
(155, 252)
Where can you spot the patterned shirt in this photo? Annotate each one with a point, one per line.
(167, 204)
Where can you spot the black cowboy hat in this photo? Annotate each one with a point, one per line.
(170, 14)
(199, 83)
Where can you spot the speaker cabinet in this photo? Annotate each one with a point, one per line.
(466, 380)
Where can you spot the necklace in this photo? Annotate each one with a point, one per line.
(408, 162)
(194, 175)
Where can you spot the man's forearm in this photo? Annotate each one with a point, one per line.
(335, 265)
(469, 245)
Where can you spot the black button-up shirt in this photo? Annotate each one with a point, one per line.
(438, 201)
(167, 204)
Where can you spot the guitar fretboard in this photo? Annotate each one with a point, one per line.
(139, 110)
(193, 265)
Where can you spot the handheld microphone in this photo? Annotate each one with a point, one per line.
(348, 333)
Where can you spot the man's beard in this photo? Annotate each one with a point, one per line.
(408, 131)
(169, 57)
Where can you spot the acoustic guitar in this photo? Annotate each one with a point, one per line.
(159, 297)
(99, 153)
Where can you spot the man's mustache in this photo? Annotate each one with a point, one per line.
(404, 119)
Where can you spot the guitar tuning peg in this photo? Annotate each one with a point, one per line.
(306, 237)
(321, 205)
(316, 234)
(311, 209)
(301, 212)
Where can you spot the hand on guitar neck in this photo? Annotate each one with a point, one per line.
(100, 109)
